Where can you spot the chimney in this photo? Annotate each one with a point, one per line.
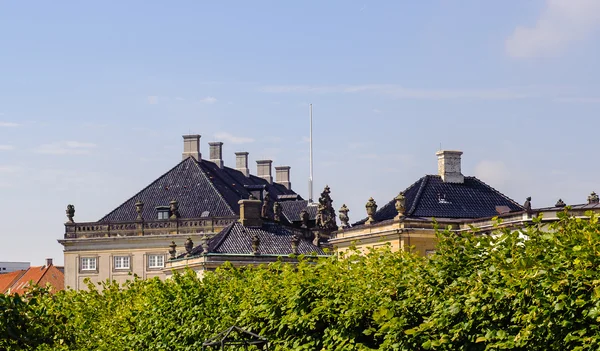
(241, 163)
(449, 166)
(216, 153)
(263, 168)
(191, 147)
(250, 212)
(282, 176)
(48, 262)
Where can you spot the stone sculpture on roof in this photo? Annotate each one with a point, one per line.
(325, 219)
(70, 213)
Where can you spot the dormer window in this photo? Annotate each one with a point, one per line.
(162, 212)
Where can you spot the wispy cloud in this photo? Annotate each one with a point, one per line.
(208, 100)
(6, 147)
(226, 137)
(580, 100)
(65, 148)
(9, 124)
(560, 23)
(400, 92)
(9, 169)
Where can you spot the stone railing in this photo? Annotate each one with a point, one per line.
(139, 228)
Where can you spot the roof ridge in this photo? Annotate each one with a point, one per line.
(496, 191)
(233, 189)
(213, 186)
(45, 269)
(225, 232)
(148, 186)
(413, 206)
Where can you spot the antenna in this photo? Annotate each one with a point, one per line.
(310, 178)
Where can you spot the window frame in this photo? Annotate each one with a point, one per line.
(122, 258)
(83, 270)
(155, 268)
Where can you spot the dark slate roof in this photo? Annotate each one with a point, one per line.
(198, 186)
(275, 239)
(291, 210)
(431, 197)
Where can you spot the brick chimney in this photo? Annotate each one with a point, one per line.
(216, 153)
(282, 176)
(250, 211)
(449, 166)
(263, 170)
(191, 147)
(48, 262)
(241, 163)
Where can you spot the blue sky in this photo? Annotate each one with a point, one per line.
(94, 98)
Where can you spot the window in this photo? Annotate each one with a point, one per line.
(88, 263)
(163, 214)
(121, 262)
(156, 261)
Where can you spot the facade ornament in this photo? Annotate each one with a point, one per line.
(317, 239)
(277, 212)
(400, 205)
(371, 207)
(173, 250)
(70, 213)
(139, 208)
(204, 244)
(266, 207)
(560, 203)
(593, 198)
(527, 205)
(344, 216)
(255, 244)
(189, 245)
(295, 241)
(325, 219)
(304, 217)
(174, 209)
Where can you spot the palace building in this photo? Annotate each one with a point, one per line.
(195, 200)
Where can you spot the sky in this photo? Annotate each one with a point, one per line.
(95, 96)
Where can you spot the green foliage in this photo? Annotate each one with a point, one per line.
(537, 289)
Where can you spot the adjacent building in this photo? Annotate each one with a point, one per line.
(7, 267)
(448, 199)
(19, 281)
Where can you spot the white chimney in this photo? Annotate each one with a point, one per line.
(191, 147)
(282, 176)
(216, 153)
(449, 166)
(241, 163)
(263, 168)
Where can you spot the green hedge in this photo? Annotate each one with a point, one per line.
(534, 290)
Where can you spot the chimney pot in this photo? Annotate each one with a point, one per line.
(264, 170)
(216, 153)
(250, 211)
(282, 176)
(449, 166)
(48, 262)
(191, 147)
(241, 163)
